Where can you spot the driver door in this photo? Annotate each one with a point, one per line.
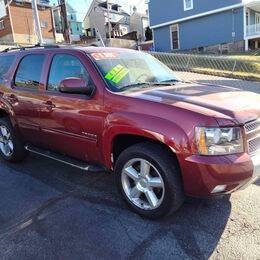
(71, 124)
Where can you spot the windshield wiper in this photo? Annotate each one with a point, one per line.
(170, 81)
(139, 84)
(150, 84)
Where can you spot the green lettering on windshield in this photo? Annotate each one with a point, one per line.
(120, 75)
(117, 73)
(113, 72)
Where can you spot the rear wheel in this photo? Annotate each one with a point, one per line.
(149, 180)
(11, 148)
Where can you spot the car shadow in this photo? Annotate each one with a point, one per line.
(192, 232)
(257, 182)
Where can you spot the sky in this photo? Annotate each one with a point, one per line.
(2, 9)
(82, 5)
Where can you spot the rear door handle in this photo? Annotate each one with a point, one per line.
(12, 98)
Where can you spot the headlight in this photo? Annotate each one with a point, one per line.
(219, 141)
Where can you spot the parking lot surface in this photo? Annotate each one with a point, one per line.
(52, 211)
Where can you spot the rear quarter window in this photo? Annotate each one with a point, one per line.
(6, 63)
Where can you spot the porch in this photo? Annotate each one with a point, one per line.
(252, 25)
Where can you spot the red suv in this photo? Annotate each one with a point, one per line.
(125, 112)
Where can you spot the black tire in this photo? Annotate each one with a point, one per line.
(168, 168)
(19, 153)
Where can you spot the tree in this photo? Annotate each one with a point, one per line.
(148, 34)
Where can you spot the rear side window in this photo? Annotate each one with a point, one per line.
(29, 71)
(5, 64)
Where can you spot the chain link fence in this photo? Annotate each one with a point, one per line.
(235, 71)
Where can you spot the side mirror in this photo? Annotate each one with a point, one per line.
(75, 86)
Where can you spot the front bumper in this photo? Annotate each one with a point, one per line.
(205, 176)
(256, 171)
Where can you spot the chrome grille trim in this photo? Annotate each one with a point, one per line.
(252, 130)
(252, 126)
(254, 145)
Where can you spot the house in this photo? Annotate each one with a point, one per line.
(96, 20)
(17, 23)
(75, 21)
(205, 25)
(139, 22)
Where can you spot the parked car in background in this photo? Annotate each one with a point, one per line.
(125, 112)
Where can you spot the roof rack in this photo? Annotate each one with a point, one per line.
(45, 46)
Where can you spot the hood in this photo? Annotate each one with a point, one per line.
(229, 103)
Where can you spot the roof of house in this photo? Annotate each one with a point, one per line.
(45, 3)
(104, 9)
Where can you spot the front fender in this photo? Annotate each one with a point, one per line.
(154, 128)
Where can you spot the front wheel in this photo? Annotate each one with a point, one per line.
(149, 180)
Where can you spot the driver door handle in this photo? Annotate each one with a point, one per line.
(12, 98)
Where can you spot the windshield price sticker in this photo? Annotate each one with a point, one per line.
(104, 55)
(117, 73)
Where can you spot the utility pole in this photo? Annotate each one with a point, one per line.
(64, 18)
(109, 23)
(37, 21)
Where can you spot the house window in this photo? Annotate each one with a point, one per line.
(188, 5)
(44, 24)
(175, 37)
(2, 25)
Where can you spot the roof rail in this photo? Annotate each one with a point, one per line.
(45, 46)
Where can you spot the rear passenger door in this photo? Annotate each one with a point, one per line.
(25, 96)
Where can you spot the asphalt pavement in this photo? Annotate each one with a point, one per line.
(51, 211)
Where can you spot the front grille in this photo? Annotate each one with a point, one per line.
(252, 130)
(252, 126)
(254, 145)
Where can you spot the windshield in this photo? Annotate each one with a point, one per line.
(126, 70)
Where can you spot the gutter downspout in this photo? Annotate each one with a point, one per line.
(245, 30)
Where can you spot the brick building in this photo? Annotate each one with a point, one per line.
(17, 24)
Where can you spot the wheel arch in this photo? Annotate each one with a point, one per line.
(126, 129)
(4, 112)
(123, 141)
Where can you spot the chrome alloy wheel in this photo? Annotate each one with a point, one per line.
(6, 143)
(143, 184)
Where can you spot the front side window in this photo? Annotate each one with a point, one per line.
(29, 71)
(66, 66)
(125, 70)
(5, 64)
(188, 5)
